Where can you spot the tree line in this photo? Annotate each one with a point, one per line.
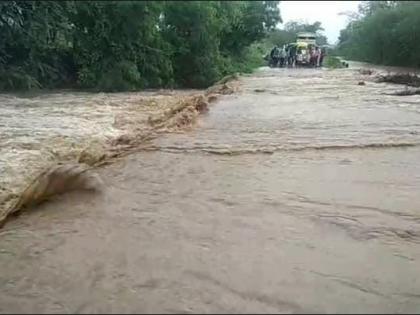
(383, 32)
(288, 34)
(129, 45)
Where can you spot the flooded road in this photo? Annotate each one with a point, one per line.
(39, 131)
(298, 193)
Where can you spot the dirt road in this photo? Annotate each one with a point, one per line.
(299, 193)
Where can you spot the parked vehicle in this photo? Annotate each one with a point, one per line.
(307, 38)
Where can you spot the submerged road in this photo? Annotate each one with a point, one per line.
(299, 193)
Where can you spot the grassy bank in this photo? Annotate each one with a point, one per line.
(333, 62)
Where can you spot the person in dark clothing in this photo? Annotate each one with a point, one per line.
(275, 56)
(291, 58)
(323, 53)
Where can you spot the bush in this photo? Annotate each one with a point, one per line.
(17, 79)
(124, 76)
(333, 62)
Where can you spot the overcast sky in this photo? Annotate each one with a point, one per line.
(324, 11)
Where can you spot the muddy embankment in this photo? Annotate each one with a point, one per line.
(50, 143)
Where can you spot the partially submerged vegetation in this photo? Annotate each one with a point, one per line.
(129, 45)
(400, 78)
(334, 62)
(407, 79)
(407, 92)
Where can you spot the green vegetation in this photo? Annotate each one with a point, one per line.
(129, 45)
(333, 62)
(384, 32)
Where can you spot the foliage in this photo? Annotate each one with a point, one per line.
(127, 45)
(296, 27)
(386, 32)
(333, 62)
(33, 49)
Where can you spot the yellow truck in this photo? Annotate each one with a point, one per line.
(303, 42)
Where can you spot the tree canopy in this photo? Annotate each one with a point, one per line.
(384, 32)
(127, 45)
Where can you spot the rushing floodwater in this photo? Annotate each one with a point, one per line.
(299, 193)
(38, 131)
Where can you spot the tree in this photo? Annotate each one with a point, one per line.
(128, 45)
(296, 27)
(34, 49)
(246, 22)
(386, 32)
(367, 8)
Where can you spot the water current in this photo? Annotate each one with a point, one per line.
(298, 193)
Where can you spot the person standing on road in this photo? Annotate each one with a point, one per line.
(283, 56)
(275, 55)
(322, 55)
(292, 56)
(311, 56)
(318, 56)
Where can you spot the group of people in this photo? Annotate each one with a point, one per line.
(316, 56)
(289, 55)
(278, 56)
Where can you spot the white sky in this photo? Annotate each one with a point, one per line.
(324, 11)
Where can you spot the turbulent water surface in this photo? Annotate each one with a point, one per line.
(299, 193)
(38, 131)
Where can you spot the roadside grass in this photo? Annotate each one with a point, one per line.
(333, 62)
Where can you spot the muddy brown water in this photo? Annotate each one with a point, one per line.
(299, 193)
